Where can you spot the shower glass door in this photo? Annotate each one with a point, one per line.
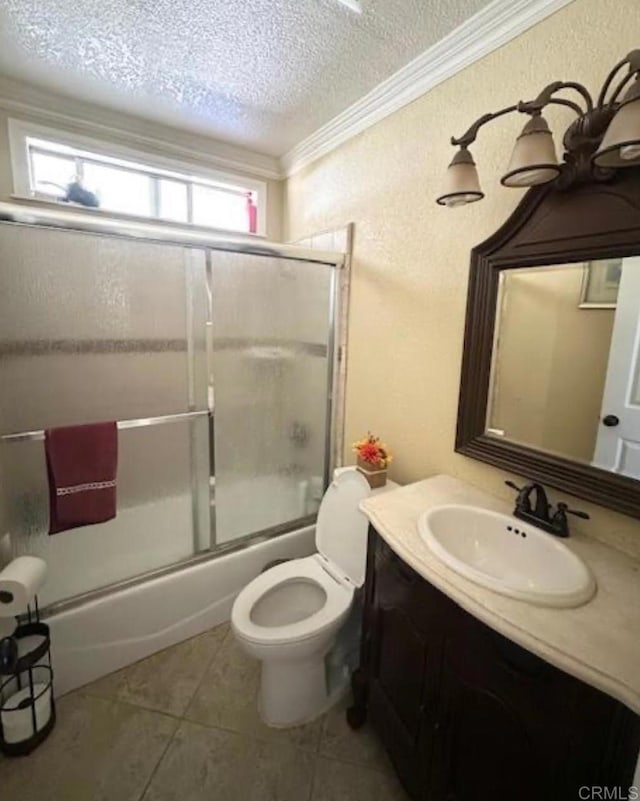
(217, 367)
(272, 359)
(97, 328)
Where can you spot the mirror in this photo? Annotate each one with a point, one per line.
(565, 376)
(550, 379)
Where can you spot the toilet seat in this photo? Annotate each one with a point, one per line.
(295, 617)
(341, 528)
(336, 603)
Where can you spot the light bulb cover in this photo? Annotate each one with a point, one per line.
(462, 182)
(620, 146)
(534, 160)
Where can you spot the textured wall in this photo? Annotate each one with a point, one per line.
(411, 257)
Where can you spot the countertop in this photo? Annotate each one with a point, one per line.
(598, 643)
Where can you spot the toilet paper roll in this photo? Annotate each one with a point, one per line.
(16, 716)
(19, 582)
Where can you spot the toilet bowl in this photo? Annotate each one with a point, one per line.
(289, 616)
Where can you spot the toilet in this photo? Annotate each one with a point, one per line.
(290, 616)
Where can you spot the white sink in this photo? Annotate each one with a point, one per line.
(506, 555)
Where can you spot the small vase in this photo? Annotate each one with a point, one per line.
(376, 476)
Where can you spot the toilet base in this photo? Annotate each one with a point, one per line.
(292, 694)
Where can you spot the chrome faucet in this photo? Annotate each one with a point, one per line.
(542, 514)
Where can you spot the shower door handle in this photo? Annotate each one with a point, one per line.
(212, 447)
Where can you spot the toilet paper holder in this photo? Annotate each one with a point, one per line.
(27, 705)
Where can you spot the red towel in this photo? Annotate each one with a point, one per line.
(81, 465)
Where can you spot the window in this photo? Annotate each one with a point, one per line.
(66, 168)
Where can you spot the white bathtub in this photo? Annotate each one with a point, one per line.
(110, 632)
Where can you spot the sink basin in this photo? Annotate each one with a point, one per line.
(506, 555)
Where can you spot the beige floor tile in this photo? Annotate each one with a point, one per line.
(202, 764)
(100, 750)
(165, 681)
(342, 742)
(227, 698)
(340, 781)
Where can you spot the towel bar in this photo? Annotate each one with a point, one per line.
(26, 436)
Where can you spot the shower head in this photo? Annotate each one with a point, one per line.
(353, 5)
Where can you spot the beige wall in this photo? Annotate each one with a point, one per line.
(550, 362)
(411, 257)
(52, 112)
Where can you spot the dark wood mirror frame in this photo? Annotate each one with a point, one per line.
(590, 220)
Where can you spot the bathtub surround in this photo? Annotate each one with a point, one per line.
(184, 723)
(119, 628)
(411, 258)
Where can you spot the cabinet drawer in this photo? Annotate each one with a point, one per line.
(397, 584)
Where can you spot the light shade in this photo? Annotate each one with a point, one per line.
(461, 183)
(621, 144)
(534, 160)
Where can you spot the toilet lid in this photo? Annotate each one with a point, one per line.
(341, 530)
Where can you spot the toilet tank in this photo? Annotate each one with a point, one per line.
(341, 529)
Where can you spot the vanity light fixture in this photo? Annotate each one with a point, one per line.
(463, 184)
(604, 137)
(621, 144)
(534, 160)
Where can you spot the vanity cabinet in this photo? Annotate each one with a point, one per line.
(467, 715)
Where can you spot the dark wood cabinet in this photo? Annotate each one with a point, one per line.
(467, 715)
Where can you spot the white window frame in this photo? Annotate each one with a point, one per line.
(21, 130)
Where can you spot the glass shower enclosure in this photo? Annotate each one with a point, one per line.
(216, 358)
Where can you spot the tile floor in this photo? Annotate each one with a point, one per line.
(182, 725)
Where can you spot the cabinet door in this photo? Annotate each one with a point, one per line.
(403, 668)
(395, 696)
(501, 727)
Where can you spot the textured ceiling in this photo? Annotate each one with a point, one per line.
(258, 73)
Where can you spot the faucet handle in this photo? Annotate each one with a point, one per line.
(562, 507)
(523, 504)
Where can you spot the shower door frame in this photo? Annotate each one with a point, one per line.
(207, 242)
(333, 392)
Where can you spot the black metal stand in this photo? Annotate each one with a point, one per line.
(27, 706)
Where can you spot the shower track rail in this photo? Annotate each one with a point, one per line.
(33, 436)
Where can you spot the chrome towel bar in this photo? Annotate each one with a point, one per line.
(30, 436)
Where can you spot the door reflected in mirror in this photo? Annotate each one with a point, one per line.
(565, 373)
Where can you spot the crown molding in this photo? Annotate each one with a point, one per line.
(495, 25)
(218, 154)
